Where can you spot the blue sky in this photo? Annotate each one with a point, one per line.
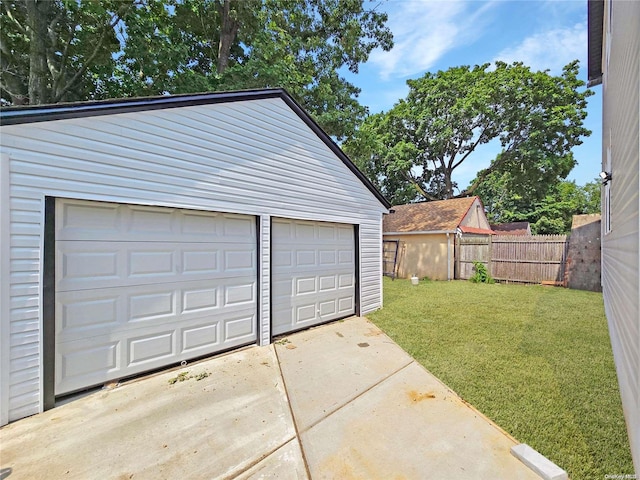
(432, 35)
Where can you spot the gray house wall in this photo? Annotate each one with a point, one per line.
(614, 60)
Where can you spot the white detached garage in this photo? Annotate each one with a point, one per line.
(136, 234)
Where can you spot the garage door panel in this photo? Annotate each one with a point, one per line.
(200, 337)
(151, 348)
(313, 265)
(305, 314)
(87, 220)
(346, 280)
(88, 313)
(79, 219)
(238, 260)
(93, 265)
(317, 271)
(199, 299)
(78, 367)
(327, 282)
(345, 257)
(99, 358)
(327, 308)
(157, 287)
(345, 305)
(305, 285)
(328, 257)
(237, 329)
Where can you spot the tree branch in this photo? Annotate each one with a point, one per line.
(63, 63)
(85, 65)
(471, 150)
(4, 48)
(17, 98)
(490, 169)
(417, 186)
(22, 29)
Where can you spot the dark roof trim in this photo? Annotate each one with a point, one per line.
(311, 123)
(595, 14)
(62, 111)
(43, 113)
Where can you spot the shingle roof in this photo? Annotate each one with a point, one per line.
(480, 231)
(513, 228)
(441, 215)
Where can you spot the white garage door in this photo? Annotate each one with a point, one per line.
(139, 288)
(313, 271)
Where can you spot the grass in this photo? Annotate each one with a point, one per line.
(536, 360)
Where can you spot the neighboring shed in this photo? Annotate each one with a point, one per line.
(512, 228)
(614, 62)
(140, 233)
(427, 232)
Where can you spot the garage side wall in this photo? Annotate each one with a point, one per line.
(254, 157)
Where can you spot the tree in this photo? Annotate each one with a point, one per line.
(549, 213)
(536, 119)
(239, 44)
(367, 148)
(54, 50)
(66, 50)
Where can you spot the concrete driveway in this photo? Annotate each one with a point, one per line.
(339, 401)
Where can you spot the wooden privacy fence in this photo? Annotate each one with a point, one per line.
(509, 258)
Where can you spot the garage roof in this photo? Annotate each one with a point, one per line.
(43, 113)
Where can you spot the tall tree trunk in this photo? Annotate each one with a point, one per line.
(228, 30)
(448, 184)
(37, 21)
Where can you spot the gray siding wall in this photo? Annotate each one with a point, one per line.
(255, 157)
(620, 259)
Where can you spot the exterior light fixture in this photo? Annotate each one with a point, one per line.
(605, 177)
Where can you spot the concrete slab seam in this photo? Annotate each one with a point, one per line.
(256, 461)
(340, 407)
(293, 417)
(538, 463)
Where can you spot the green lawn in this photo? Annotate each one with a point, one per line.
(536, 360)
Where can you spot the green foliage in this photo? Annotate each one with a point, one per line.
(481, 274)
(184, 376)
(549, 208)
(535, 117)
(121, 48)
(58, 50)
(536, 360)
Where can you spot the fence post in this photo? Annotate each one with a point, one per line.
(490, 256)
(456, 258)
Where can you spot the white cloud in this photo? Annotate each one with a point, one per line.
(550, 50)
(424, 31)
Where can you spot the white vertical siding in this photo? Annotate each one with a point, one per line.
(25, 305)
(620, 247)
(254, 157)
(5, 295)
(264, 272)
(370, 266)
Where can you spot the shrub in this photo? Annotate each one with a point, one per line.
(481, 274)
